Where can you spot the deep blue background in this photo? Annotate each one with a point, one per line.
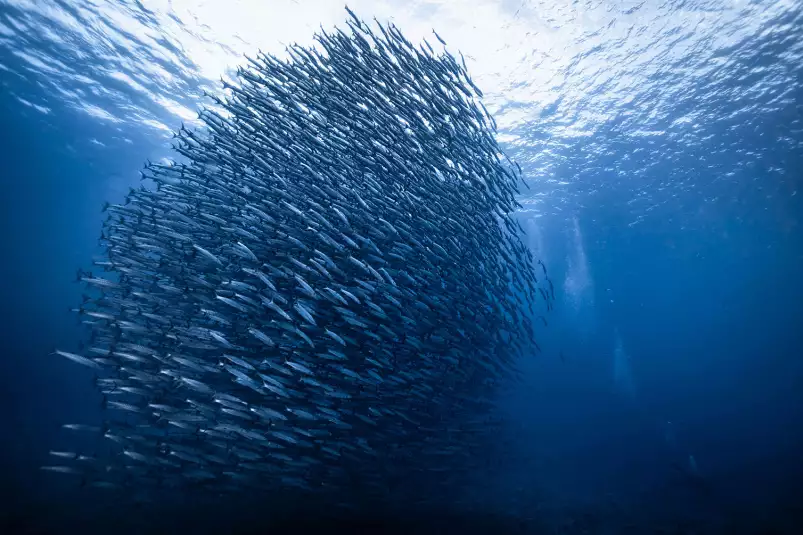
(706, 294)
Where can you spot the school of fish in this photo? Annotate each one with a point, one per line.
(326, 289)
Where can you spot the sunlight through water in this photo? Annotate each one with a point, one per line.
(566, 81)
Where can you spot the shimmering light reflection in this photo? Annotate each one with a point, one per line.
(556, 75)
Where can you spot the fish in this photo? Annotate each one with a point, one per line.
(78, 358)
(206, 254)
(61, 469)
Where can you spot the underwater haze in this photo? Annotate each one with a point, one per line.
(573, 261)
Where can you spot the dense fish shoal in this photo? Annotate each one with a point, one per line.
(323, 292)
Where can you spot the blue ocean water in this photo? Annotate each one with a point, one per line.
(663, 146)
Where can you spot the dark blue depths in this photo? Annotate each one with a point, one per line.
(702, 300)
